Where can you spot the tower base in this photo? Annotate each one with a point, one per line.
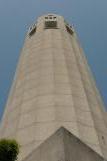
(63, 146)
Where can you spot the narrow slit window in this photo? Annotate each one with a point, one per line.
(103, 139)
(50, 24)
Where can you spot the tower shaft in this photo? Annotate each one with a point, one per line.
(53, 88)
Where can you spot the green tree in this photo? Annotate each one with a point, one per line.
(9, 150)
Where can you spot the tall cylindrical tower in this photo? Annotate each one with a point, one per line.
(53, 88)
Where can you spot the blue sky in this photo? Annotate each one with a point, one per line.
(88, 16)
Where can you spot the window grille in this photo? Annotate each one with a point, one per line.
(50, 24)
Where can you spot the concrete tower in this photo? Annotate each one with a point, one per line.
(53, 88)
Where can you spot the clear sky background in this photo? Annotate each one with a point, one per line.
(89, 18)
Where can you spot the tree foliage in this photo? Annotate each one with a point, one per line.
(9, 150)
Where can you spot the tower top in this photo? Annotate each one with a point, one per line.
(51, 15)
(49, 21)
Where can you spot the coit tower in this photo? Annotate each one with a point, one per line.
(53, 88)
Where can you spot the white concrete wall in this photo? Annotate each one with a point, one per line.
(53, 88)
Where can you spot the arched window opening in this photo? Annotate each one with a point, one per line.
(69, 30)
(32, 30)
